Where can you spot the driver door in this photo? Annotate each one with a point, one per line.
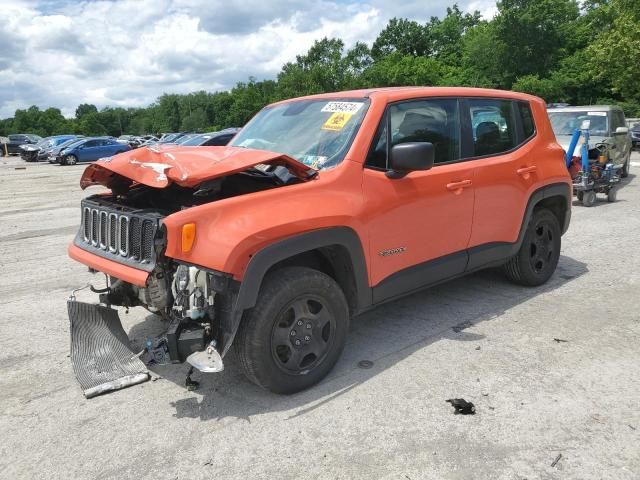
(419, 226)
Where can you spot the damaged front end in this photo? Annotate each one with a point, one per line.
(123, 234)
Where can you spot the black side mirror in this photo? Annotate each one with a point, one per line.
(410, 156)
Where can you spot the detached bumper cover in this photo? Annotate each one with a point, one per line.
(100, 353)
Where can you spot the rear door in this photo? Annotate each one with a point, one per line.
(420, 224)
(497, 138)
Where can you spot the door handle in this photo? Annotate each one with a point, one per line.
(526, 171)
(458, 186)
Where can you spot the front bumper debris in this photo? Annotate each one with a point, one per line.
(100, 353)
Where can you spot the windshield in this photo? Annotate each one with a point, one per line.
(315, 132)
(195, 140)
(565, 123)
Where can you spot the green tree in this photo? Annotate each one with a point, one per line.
(616, 50)
(532, 36)
(85, 109)
(195, 121)
(402, 36)
(90, 125)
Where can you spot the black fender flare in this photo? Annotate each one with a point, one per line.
(276, 252)
(270, 255)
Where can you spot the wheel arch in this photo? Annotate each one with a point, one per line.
(336, 251)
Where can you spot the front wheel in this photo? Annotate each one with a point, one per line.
(295, 334)
(70, 160)
(538, 256)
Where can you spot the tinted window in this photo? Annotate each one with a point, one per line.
(526, 118)
(377, 157)
(433, 121)
(617, 120)
(220, 140)
(17, 138)
(492, 126)
(91, 143)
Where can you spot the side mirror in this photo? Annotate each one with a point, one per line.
(409, 157)
(622, 131)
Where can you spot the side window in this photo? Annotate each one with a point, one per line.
(618, 120)
(91, 143)
(377, 157)
(526, 118)
(492, 125)
(435, 121)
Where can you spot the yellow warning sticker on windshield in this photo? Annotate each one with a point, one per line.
(336, 121)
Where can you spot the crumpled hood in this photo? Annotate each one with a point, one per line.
(158, 166)
(565, 140)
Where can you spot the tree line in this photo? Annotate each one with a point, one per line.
(560, 50)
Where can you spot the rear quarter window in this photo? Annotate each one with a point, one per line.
(526, 118)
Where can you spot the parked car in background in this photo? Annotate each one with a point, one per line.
(54, 152)
(635, 135)
(211, 139)
(607, 126)
(18, 139)
(172, 137)
(40, 151)
(90, 150)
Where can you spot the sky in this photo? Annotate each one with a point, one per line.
(126, 53)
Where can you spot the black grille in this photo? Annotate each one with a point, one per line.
(126, 235)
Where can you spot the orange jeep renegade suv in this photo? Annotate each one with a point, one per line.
(320, 208)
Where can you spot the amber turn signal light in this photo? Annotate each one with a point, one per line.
(188, 236)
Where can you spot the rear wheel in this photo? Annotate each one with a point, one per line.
(589, 198)
(538, 256)
(612, 194)
(624, 173)
(295, 333)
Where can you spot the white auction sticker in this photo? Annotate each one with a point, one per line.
(597, 114)
(342, 107)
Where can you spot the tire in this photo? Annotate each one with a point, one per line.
(538, 256)
(580, 195)
(295, 334)
(589, 198)
(612, 194)
(70, 160)
(624, 173)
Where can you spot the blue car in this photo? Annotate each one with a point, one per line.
(90, 150)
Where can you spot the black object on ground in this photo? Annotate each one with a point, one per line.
(101, 356)
(365, 364)
(559, 340)
(462, 406)
(461, 326)
(555, 462)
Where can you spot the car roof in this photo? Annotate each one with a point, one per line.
(391, 94)
(582, 108)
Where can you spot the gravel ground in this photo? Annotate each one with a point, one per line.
(536, 398)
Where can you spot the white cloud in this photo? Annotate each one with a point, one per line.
(128, 52)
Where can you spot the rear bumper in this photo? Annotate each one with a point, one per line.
(117, 270)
